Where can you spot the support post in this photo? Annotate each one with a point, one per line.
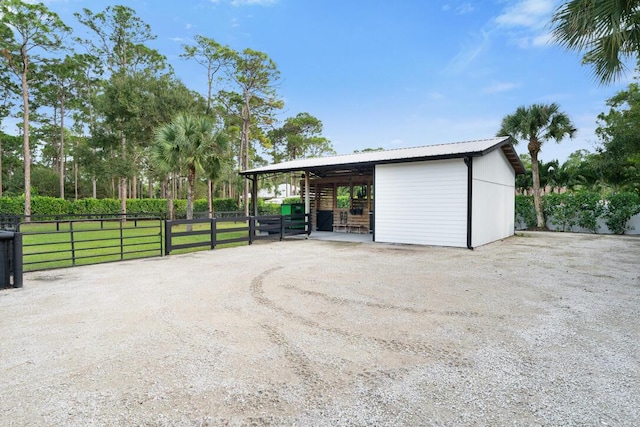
(17, 260)
(469, 162)
(214, 232)
(167, 237)
(254, 194)
(307, 202)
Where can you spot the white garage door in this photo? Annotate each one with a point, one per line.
(422, 203)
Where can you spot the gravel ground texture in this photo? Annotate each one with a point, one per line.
(537, 329)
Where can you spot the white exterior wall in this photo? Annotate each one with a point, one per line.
(493, 198)
(422, 203)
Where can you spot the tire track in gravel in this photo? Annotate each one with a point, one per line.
(347, 301)
(301, 366)
(449, 356)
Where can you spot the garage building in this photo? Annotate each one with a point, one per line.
(460, 194)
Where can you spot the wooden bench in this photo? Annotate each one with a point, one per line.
(350, 223)
(338, 227)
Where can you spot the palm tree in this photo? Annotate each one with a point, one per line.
(609, 31)
(186, 145)
(537, 124)
(214, 167)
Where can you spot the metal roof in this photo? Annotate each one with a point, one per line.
(364, 162)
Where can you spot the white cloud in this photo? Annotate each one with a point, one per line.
(397, 142)
(527, 22)
(469, 53)
(498, 87)
(527, 13)
(188, 27)
(460, 9)
(542, 40)
(465, 8)
(176, 39)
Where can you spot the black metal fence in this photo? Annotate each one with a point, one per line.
(211, 232)
(10, 259)
(65, 243)
(57, 241)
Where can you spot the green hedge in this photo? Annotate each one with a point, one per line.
(96, 206)
(41, 205)
(10, 205)
(525, 211)
(290, 200)
(620, 208)
(582, 209)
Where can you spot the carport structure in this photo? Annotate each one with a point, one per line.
(460, 194)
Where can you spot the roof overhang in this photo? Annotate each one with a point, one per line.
(364, 163)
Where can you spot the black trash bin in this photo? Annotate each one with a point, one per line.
(10, 259)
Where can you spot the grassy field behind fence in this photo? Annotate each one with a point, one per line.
(48, 246)
(221, 235)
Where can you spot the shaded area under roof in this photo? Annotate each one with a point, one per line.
(362, 163)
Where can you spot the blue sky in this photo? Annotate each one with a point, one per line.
(391, 74)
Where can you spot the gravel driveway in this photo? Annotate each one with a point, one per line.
(538, 329)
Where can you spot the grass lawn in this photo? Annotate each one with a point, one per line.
(50, 245)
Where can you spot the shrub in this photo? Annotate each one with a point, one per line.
(344, 202)
(561, 210)
(620, 208)
(296, 199)
(147, 206)
(201, 205)
(590, 208)
(179, 208)
(525, 212)
(94, 206)
(268, 208)
(42, 205)
(12, 205)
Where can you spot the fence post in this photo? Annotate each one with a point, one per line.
(121, 243)
(214, 232)
(252, 228)
(281, 227)
(73, 243)
(160, 234)
(167, 237)
(17, 260)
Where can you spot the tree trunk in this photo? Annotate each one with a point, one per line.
(62, 159)
(75, 179)
(210, 196)
(191, 181)
(25, 138)
(244, 145)
(123, 196)
(190, 189)
(535, 172)
(94, 185)
(170, 212)
(123, 180)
